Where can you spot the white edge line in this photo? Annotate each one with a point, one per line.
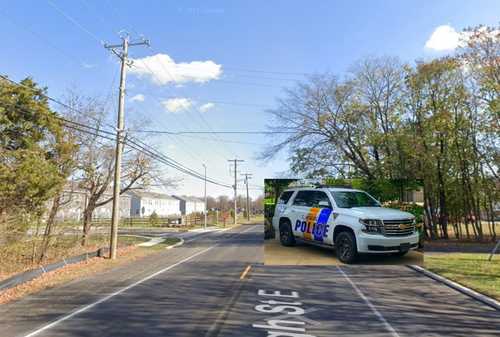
(372, 307)
(91, 305)
(85, 308)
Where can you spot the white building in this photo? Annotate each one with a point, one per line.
(74, 200)
(189, 205)
(144, 203)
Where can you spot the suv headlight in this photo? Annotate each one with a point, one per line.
(372, 226)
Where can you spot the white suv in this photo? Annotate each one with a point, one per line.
(349, 220)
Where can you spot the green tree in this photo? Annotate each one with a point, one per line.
(33, 147)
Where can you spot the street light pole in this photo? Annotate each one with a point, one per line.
(205, 211)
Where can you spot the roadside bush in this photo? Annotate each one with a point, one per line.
(154, 219)
(415, 209)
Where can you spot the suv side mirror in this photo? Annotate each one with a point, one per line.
(324, 204)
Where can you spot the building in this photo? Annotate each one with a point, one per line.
(189, 205)
(74, 200)
(144, 203)
(414, 196)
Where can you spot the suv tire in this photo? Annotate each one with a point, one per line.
(286, 234)
(345, 247)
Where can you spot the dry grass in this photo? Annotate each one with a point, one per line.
(80, 270)
(17, 257)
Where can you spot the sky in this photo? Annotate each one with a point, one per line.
(217, 65)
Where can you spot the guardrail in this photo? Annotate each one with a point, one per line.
(34, 273)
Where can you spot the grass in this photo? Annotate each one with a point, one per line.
(125, 254)
(469, 269)
(17, 256)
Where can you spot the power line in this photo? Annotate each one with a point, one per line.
(267, 71)
(130, 141)
(170, 75)
(28, 28)
(209, 100)
(213, 132)
(220, 140)
(241, 69)
(74, 22)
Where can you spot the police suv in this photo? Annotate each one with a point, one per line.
(349, 220)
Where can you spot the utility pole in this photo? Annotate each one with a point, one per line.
(123, 56)
(247, 176)
(235, 187)
(205, 167)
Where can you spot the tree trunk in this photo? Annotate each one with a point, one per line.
(49, 226)
(87, 222)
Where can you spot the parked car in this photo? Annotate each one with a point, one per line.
(348, 220)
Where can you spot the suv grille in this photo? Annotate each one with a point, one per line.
(402, 227)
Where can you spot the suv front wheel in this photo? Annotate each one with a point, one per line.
(345, 247)
(286, 234)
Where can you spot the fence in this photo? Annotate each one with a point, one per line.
(190, 220)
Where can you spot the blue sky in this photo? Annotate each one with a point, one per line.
(58, 43)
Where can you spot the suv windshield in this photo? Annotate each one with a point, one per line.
(348, 199)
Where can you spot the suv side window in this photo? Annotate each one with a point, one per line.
(284, 197)
(320, 196)
(304, 198)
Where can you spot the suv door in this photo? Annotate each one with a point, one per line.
(300, 213)
(311, 216)
(323, 226)
(281, 209)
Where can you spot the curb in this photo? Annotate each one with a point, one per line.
(180, 243)
(464, 290)
(34, 273)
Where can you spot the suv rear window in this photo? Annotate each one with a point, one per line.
(311, 198)
(304, 198)
(284, 197)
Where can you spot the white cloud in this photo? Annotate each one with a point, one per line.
(177, 104)
(88, 65)
(445, 38)
(205, 107)
(137, 98)
(161, 69)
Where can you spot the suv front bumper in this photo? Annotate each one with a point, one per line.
(370, 243)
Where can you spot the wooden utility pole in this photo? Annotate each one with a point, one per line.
(123, 56)
(247, 176)
(235, 187)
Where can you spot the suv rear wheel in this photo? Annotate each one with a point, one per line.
(286, 234)
(345, 247)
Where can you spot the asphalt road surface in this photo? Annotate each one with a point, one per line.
(216, 285)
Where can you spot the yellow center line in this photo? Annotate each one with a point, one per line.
(245, 272)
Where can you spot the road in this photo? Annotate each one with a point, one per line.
(306, 255)
(216, 285)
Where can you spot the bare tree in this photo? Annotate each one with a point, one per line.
(96, 159)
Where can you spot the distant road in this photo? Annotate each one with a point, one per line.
(216, 285)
